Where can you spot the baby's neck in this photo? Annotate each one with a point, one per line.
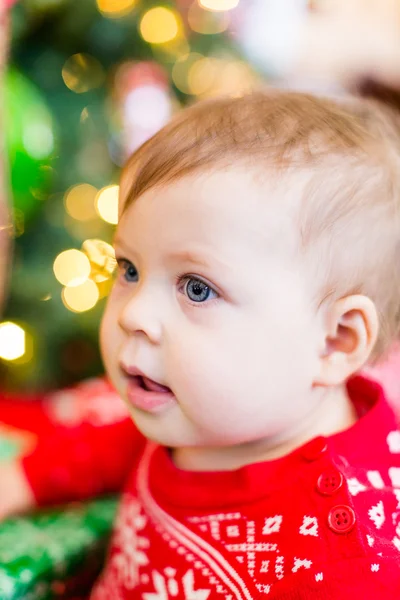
(334, 413)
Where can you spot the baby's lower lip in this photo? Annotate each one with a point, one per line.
(150, 400)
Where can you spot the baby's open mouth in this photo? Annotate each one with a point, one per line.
(150, 385)
(146, 394)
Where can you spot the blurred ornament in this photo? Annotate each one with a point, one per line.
(82, 72)
(102, 259)
(107, 204)
(160, 25)
(30, 141)
(142, 103)
(115, 9)
(205, 21)
(148, 107)
(82, 297)
(136, 74)
(72, 268)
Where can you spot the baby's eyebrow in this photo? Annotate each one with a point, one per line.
(188, 256)
(118, 241)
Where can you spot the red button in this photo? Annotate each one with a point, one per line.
(329, 482)
(314, 449)
(341, 519)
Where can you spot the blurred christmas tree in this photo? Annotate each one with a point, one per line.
(90, 81)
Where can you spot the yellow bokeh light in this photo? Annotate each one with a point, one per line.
(72, 268)
(79, 202)
(115, 9)
(12, 341)
(235, 79)
(181, 69)
(81, 298)
(160, 25)
(202, 75)
(107, 204)
(102, 259)
(219, 5)
(82, 72)
(207, 22)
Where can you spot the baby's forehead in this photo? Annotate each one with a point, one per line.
(236, 205)
(258, 188)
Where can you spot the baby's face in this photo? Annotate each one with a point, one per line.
(211, 302)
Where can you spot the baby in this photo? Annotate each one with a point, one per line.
(257, 250)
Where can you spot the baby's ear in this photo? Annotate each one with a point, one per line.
(351, 330)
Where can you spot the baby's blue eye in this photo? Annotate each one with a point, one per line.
(198, 291)
(129, 271)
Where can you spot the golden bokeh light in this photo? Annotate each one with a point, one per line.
(79, 202)
(181, 69)
(160, 25)
(207, 22)
(219, 5)
(107, 204)
(81, 298)
(12, 341)
(202, 75)
(102, 259)
(72, 268)
(234, 79)
(208, 77)
(82, 72)
(115, 9)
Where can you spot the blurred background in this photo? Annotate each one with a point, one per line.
(89, 81)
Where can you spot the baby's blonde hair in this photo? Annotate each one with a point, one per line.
(348, 213)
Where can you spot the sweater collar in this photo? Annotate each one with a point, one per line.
(366, 443)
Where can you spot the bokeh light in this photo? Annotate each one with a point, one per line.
(12, 341)
(235, 78)
(82, 297)
(160, 25)
(148, 107)
(38, 140)
(82, 72)
(181, 68)
(219, 5)
(209, 76)
(79, 202)
(115, 9)
(107, 204)
(202, 75)
(71, 268)
(207, 22)
(102, 259)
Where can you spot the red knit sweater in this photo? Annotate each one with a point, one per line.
(322, 522)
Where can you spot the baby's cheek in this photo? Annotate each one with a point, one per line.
(108, 332)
